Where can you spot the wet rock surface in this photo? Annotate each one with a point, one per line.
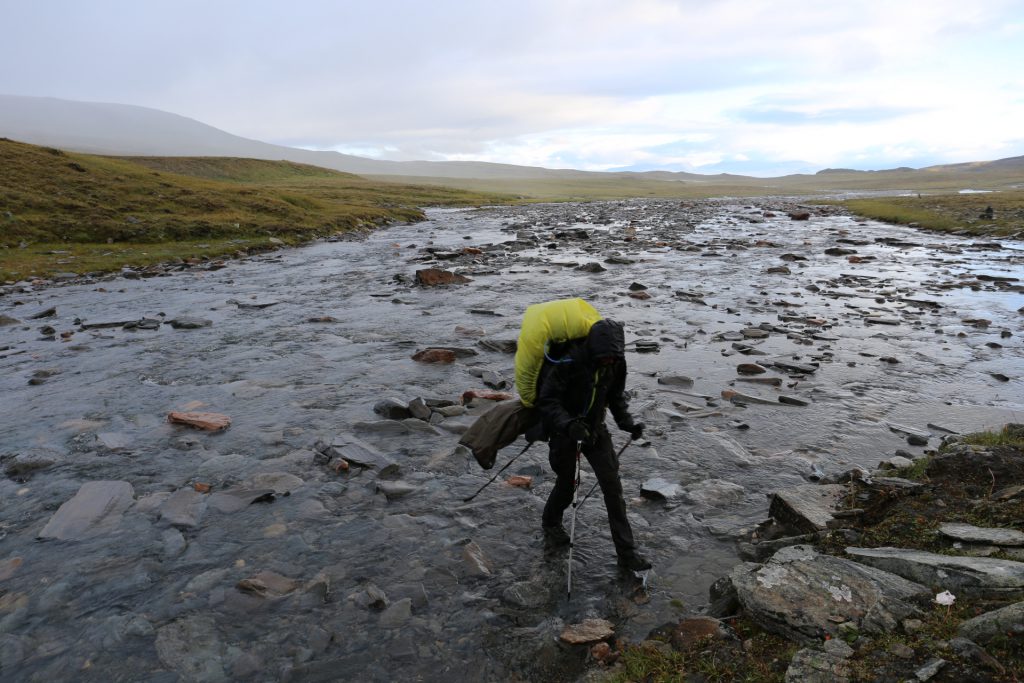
(464, 591)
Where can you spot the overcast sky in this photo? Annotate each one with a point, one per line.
(752, 86)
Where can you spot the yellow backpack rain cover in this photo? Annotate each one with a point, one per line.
(551, 321)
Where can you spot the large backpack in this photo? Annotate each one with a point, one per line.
(551, 322)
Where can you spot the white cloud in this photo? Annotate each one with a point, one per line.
(598, 83)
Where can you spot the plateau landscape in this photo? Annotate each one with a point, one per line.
(264, 280)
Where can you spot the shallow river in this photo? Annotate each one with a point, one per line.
(362, 576)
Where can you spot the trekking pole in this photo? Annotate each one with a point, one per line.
(498, 473)
(572, 524)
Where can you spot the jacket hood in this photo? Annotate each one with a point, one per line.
(606, 339)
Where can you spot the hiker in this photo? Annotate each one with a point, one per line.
(580, 378)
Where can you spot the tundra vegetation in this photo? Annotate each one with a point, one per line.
(61, 211)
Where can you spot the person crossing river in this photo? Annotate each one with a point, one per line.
(579, 381)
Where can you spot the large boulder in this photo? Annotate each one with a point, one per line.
(978, 576)
(96, 509)
(804, 595)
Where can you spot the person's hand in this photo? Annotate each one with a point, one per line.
(636, 431)
(578, 431)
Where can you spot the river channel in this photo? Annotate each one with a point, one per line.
(354, 574)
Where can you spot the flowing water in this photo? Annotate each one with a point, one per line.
(393, 577)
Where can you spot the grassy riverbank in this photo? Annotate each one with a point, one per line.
(949, 212)
(63, 212)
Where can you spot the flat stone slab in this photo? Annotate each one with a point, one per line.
(185, 507)
(804, 595)
(359, 453)
(659, 488)
(975, 534)
(808, 507)
(790, 366)
(982, 576)
(233, 500)
(96, 509)
(589, 631)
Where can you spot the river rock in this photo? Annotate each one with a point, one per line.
(8, 320)
(267, 584)
(811, 665)
(973, 534)
(392, 409)
(186, 322)
(803, 595)
(419, 409)
(589, 631)
(979, 576)
(23, 465)
(280, 483)
(689, 632)
(790, 366)
(433, 277)
(397, 615)
(114, 441)
(395, 489)
(1005, 622)
(475, 561)
(434, 356)
(173, 543)
(808, 507)
(210, 422)
(192, 647)
(359, 453)
(185, 507)
(676, 380)
(659, 488)
(234, 500)
(750, 369)
(532, 594)
(714, 493)
(96, 509)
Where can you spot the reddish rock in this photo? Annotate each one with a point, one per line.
(691, 631)
(641, 295)
(799, 215)
(591, 630)
(471, 250)
(432, 277)
(211, 422)
(434, 356)
(750, 369)
(601, 652)
(201, 487)
(520, 480)
(854, 259)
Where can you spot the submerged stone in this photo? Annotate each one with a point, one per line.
(96, 509)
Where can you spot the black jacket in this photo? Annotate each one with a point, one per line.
(573, 385)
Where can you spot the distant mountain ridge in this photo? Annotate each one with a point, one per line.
(129, 130)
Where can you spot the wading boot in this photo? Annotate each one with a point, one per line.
(556, 535)
(634, 562)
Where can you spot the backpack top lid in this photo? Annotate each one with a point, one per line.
(548, 322)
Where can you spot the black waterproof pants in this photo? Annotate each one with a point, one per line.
(602, 458)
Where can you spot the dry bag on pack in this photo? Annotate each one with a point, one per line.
(551, 322)
(548, 323)
(497, 428)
